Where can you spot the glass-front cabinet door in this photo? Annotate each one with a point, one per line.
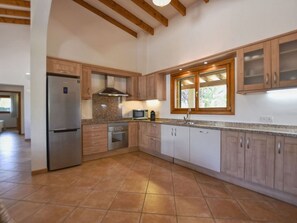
(284, 61)
(254, 67)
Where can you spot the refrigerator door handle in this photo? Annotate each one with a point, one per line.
(64, 130)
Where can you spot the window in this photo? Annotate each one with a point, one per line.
(205, 89)
(5, 104)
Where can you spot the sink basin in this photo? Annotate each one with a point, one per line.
(189, 123)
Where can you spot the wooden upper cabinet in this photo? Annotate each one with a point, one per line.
(284, 61)
(142, 88)
(133, 134)
(63, 67)
(152, 87)
(86, 91)
(259, 159)
(254, 72)
(132, 88)
(232, 162)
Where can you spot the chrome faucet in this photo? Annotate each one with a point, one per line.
(186, 118)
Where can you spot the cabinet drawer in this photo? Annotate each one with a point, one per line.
(64, 67)
(154, 130)
(95, 128)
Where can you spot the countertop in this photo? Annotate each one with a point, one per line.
(281, 130)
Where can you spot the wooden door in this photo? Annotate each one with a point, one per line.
(151, 87)
(142, 88)
(290, 165)
(259, 159)
(284, 61)
(132, 88)
(86, 76)
(232, 162)
(279, 163)
(254, 72)
(133, 134)
(143, 138)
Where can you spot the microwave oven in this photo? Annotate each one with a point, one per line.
(140, 114)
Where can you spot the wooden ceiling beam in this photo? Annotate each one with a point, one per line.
(14, 20)
(151, 11)
(128, 15)
(179, 7)
(14, 12)
(106, 17)
(206, 1)
(19, 3)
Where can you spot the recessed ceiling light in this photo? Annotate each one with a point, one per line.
(205, 62)
(180, 69)
(28, 73)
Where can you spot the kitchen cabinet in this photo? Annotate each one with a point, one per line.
(150, 136)
(133, 134)
(286, 164)
(86, 91)
(152, 87)
(175, 142)
(94, 139)
(233, 144)
(259, 159)
(284, 61)
(268, 65)
(205, 148)
(132, 88)
(63, 67)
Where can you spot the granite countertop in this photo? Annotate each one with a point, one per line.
(282, 130)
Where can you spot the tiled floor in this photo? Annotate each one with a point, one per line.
(125, 189)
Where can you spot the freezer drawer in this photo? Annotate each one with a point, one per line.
(64, 149)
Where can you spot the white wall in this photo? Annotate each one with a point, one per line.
(15, 63)
(219, 26)
(78, 34)
(39, 22)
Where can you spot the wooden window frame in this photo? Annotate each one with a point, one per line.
(4, 96)
(230, 81)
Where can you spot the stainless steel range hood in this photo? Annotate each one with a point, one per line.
(109, 90)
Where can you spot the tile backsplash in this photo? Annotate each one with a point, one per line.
(106, 108)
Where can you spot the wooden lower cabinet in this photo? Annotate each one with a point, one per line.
(286, 164)
(133, 134)
(259, 159)
(94, 139)
(150, 137)
(232, 145)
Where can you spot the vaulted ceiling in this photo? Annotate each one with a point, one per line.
(15, 11)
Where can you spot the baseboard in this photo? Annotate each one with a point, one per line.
(41, 171)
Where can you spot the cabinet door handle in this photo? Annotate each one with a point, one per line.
(274, 77)
(204, 132)
(279, 147)
(248, 143)
(240, 142)
(174, 132)
(267, 78)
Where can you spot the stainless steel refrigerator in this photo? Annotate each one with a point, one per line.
(63, 122)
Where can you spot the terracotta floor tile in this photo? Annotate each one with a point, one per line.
(86, 182)
(132, 185)
(45, 194)
(109, 184)
(213, 190)
(242, 193)
(160, 187)
(235, 221)
(5, 186)
(194, 220)
(183, 177)
(97, 199)
(71, 196)
(128, 202)
(202, 178)
(7, 202)
(52, 213)
(259, 210)
(159, 204)
(21, 210)
(225, 208)
(154, 218)
(287, 211)
(85, 215)
(192, 206)
(121, 217)
(20, 191)
(189, 189)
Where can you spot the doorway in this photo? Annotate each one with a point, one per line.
(10, 110)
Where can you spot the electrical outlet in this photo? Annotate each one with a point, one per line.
(266, 119)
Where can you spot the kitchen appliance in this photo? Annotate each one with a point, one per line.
(140, 114)
(117, 135)
(153, 116)
(63, 122)
(110, 90)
